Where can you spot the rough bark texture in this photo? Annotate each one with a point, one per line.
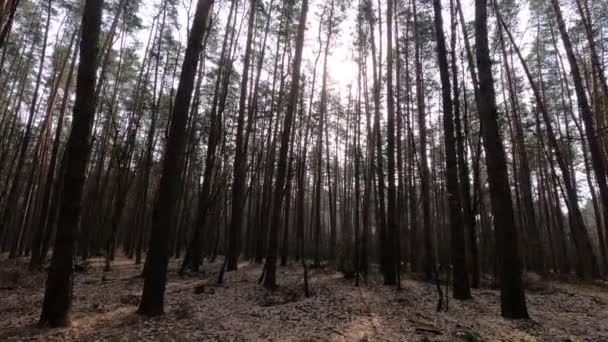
(58, 294)
(512, 298)
(152, 301)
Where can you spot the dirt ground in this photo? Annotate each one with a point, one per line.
(241, 310)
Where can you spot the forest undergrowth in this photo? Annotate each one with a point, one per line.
(197, 308)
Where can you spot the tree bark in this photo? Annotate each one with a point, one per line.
(597, 158)
(460, 274)
(512, 298)
(152, 302)
(587, 264)
(279, 190)
(58, 293)
(392, 245)
(240, 158)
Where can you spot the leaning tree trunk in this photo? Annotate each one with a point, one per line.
(597, 159)
(152, 301)
(12, 206)
(279, 190)
(587, 264)
(535, 251)
(58, 294)
(195, 249)
(49, 184)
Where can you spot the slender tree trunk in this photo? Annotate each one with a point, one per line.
(536, 254)
(288, 188)
(587, 264)
(459, 260)
(279, 190)
(240, 159)
(43, 224)
(392, 262)
(357, 151)
(377, 156)
(13, 199)
(194, 252)
(402, 214)
(425, 192)
(597, 159)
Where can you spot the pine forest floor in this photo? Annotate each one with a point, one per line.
(196, 309)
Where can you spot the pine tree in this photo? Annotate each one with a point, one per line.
(460, 272)
(512, 298)
(58, 293)
(155, 276)
(279, 190)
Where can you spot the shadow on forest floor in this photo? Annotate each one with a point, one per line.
(241, 310)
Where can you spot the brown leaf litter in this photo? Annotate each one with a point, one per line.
(197, 309)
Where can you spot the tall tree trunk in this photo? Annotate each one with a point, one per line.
(536, 258)
(392, 246)
(240, 158)
(279, 190)
(425, 191)
(512, 298)
(13, 199)
(288, 186)
(58, 293)
(321, 129)
(152, 301)
(459, 260)
(194, 252)
(402, 217)
(597, 159)
(587, 264)
(357, 151)
(472, 234)
(377, 156)
(49, 183)
(468, 220)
